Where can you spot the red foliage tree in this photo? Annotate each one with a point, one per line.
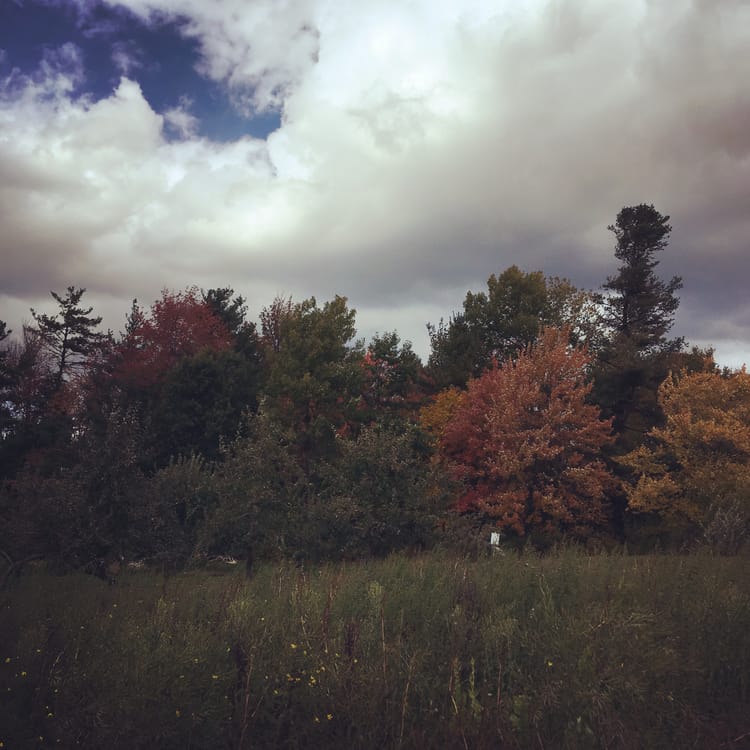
(180, 324)
(527, 446)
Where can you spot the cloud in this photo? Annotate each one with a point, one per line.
(179, 120)
(423, 146)
(261, 51)
(59, 74)
(126, 57)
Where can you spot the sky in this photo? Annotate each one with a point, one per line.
(396, 152)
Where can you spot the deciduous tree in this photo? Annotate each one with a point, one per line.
(377, 495)
(5, 381)
(315, 376)
(178, 325)
(495, 325)
(699, 462)
(527, 445)
(438, 415)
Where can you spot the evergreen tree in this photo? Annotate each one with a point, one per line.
(638, 312)
(640, 307)
(68, 336)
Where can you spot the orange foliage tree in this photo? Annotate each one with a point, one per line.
(527, 446)
(698, 463)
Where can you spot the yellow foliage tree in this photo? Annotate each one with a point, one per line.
(699, 462)
(436, 416)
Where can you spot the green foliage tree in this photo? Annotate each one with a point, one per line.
(273, 318)
(393, 378)
(90, 507)
(495, 325)
(378, 494)
(262, 491)
(68, 336)
(638, 313)
(201, 401)
(639, 306)
(315, 374)
(232, 310)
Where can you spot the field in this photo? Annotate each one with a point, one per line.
(430, 651)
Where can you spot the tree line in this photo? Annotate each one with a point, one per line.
(544, 411)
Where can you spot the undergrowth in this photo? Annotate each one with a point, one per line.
(562, 651)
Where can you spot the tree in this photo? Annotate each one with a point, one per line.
(528, 447)
(201, 401)
(4, 333)
(698, 463)
(640, 307)
(638, 313)
(315, 374)
(495, 325)
(30, 426)
(393, 378)
(272, 321)
(68, 336)
(377, 494)
(263, 493)
(232, 310)
(180, 324)
(5, 381)
(96, 506)
(436, 416)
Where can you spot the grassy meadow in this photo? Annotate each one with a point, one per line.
(431, 651)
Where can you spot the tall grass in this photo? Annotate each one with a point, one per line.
(564, 651)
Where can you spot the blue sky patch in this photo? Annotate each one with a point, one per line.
(113, 42)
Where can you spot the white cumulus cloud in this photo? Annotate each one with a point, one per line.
(423, 146)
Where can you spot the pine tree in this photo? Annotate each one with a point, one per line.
(638, 312)
(641, 307)
(68, 337)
